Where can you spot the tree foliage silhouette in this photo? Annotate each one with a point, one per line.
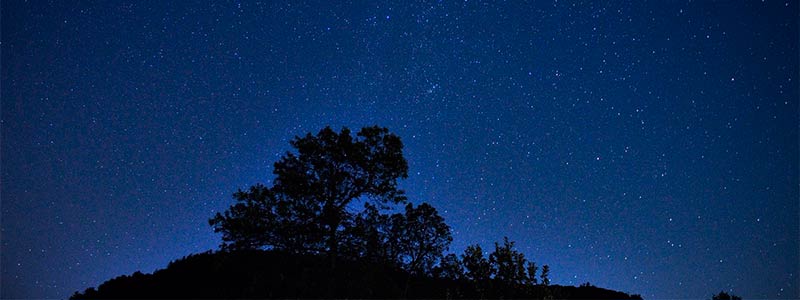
(421, 236)
(532, 269)
(415, 239)
(368, 237)
(306, 208)
(476, 265)
(450, 267)
(508, 263)
(545, 275)
(264, 218)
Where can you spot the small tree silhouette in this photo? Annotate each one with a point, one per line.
(421, 236)
(509, 263)
(532, 269)
(477, 266)
(545, 275)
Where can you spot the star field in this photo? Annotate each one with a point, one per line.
(647, 147)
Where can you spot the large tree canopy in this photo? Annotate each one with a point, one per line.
(332, 169)
(311, 208)
(307, 208)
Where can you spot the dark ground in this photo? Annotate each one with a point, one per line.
(271, 274)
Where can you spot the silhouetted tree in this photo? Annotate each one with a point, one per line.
(476, 265)
(450, 267)
(368, 238)
(264, 218)
(545, 275)
(725, 296)
(421, 236)
(508, 263)
(246, 224)
(306, 208)
(309, 211)
(532, 270)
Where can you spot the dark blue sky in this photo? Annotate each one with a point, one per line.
(648, 147)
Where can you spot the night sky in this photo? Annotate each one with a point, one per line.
(645, 147)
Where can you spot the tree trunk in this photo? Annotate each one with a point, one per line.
(333, 243)
(333, 248)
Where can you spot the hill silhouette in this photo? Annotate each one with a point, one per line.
(305, 237)
(276, 274)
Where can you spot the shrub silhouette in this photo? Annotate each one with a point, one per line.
(725, 296)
